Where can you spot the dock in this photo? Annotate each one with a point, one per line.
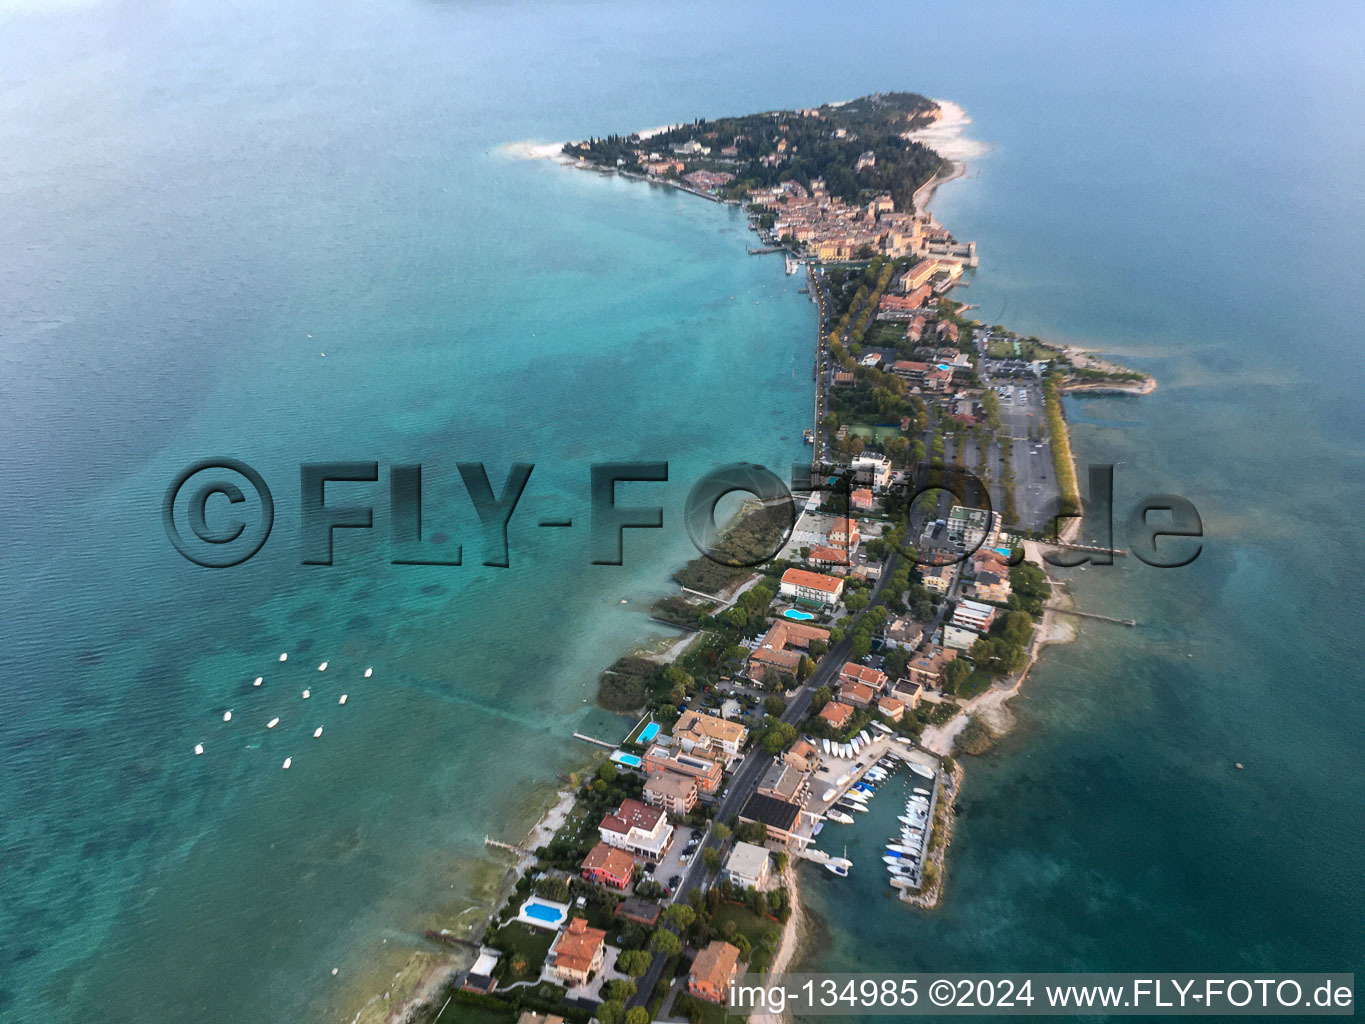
(1122, 553)
(767, 249)
(498, 844)
(1091, 615)
(594, 739)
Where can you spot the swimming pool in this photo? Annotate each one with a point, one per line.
(792, 613)
(543, 913)
(629, 760)
(648, 733)
(1003, 551)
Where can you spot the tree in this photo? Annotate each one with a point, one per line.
(741, 943)
(780, 860)
(820, 697)
(818, 648)
(856, 601)
(637, 1015)
(710, 857)
(680, 916)
(955, 673)
(618, 989)
(777, 737)
(804, 668)
(612, 1012)
(720, 831)
(774, 706)
(606, 772)
(665, 942)
(633, 962)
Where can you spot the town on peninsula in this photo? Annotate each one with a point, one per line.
(903, 608)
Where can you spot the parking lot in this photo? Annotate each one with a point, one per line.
(672, 865)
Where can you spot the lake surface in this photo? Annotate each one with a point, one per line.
(196, 204)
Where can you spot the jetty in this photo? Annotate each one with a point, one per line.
(594, 739)
(1091, 615)
(498, 844)
(767, 249)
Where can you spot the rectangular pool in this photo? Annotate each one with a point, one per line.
(629, 760)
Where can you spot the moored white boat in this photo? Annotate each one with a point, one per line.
(834, 814)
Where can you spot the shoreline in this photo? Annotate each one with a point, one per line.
(947, 138)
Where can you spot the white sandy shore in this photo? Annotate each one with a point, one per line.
(948, 135)
(529, 149)
(792, 934)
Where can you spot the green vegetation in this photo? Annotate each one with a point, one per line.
(975, 738)
(1061, 445)
(524, 950)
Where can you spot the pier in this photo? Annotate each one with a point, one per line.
(498, 844)
(1091, 615)
(767, 249)
(593, 739)
(1121, 552)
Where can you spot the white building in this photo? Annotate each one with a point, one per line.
(801, 585)
(747, 866)
(874, 469)
(972, 527)
(637, 829)
(974, 615)
(959, 638)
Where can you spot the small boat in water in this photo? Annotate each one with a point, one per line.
(343, 699)
(858, 795)
(259, 681)
(921, 791)
(865, 787)
(287, 762)
(284, 657)
(851, 805)
(919, 770)
(836, 815)
(317, 732)
(907, 851)
(369, 672)
(839, 865)
(199, 749)
(307, 694)
(901, 882)
(808, 437)
(227, 716)
(322, 667)
(272, 723)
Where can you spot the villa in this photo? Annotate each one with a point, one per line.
(577, 952)
(824, 557)
(852, 672)
(637, 829)
(844, 534)
(860, 695)
(863, 500)
(802, 755)
(973, 615)
(711, 733)
(607, 865)
(712, 971)
(837, 714)
(926, 667)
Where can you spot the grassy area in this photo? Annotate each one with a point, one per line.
(875, 434)
(524, 950)
(476, 1015)
(1024, 348)
(753, 928)
(977, 682)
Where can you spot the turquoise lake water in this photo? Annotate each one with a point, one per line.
(197, 203)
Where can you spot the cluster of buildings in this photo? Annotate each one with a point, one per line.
(832, 229)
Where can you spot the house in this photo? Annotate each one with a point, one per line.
(480, 977)
(826, 557)
(607, 865)
(858, 694)
(712, 972)
(973, 615)
(843, 378)
(694, 764)
(890, 707)
(747, 866)
(908, 693)
(675, 794)
(903, 632)
(637, 829)
(641, 911)
(801, 585)
(784, 782)
(873, 678)
(711, 733)
(576, 952)
(783, 647)
(780, 818)
(872, 469)
(802, 755)
(844, 534)
(837, 714)
(991, 586)
(926, 667)
(936, 578)
(863, 500)
(918, 275)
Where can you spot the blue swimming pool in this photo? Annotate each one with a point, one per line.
(629, 760)
(799, 616)
(648, 733)
(1003, 551)
(543, 913)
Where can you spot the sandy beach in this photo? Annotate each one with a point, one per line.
(793, 932)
